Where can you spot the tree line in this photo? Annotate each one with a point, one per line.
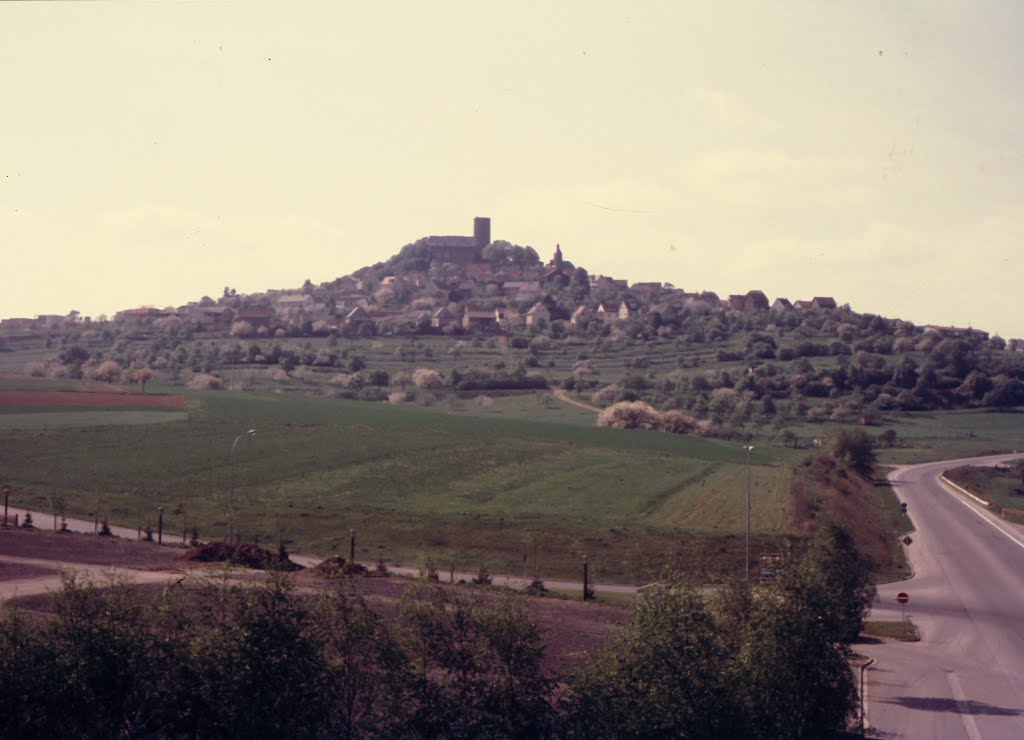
(213, 658)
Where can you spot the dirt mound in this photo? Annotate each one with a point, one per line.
(248, 556)
(337, 566)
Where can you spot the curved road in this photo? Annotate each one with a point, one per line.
(965, 678)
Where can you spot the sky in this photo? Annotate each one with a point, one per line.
(151, 154)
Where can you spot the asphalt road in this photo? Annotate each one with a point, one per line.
(965, 678)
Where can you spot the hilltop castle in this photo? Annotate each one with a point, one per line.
(462, 250)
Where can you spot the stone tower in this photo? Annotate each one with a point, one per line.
(481, 231)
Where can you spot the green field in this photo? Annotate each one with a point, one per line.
(411, 481)
(948, 435)
(515, 482)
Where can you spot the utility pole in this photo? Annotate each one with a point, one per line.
(749, 449)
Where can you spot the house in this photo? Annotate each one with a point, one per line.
(537, 315)
(51, 319)
(481, 272)
(209, 318)
(737, 302)
(603, 281)
(145, 313)
(823, 302)
(521, 290)
(781, 304)
(477, 319)
(508, 316)
(258, 316)
(295, 304)
(608, 312)
(442, 319)
(629, 308)
(666, 312)
(582, 314)
(349, 284)
(16, 325)
(954, 332)
(646, 288)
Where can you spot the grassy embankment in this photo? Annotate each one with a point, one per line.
(1002, 486)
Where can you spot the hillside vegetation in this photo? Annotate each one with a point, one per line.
(415, 329)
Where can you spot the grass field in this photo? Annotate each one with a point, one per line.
(519, 483)
(411, 481)
(949, 435)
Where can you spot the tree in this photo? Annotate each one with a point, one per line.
(477, 663)
(630, 415)
(664, 675)
(854, 449)
(379, 378)
(108, 371)
(794, 681)
(835, 565)
(424, 377)
(143, 375)
(366, 683)
(242, 329)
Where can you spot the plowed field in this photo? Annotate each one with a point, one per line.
(66, 399)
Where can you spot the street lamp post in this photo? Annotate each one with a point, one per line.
(7, 492)
(231, 484)
(749, 449)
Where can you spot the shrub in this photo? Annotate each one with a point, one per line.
(629, 415)
(205, 382)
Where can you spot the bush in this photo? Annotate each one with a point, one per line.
(855, 449)
(205, 382)
(629, 415)
(245, 555)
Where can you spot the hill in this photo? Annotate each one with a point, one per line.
(477, 317)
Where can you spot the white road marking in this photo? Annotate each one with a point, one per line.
(982, 515)
(961, 703)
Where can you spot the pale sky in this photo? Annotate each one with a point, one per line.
(151, 154)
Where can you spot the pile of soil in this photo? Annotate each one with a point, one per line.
(337, 566)
(245, 555)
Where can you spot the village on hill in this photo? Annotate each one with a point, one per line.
(452, 285)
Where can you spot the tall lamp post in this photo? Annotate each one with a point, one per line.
(231, 484)
(749, 449)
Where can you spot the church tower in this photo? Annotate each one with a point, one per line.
(557, 260)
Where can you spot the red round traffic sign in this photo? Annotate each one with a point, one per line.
(902, 598)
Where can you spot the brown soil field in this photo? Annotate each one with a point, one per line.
(64, 399)
(80, 549)
(569, 627)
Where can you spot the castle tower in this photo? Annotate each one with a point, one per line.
(481, 231)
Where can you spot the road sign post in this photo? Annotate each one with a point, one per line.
(903, 598)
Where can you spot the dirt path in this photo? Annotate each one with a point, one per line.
(50, 580)
(562, 395)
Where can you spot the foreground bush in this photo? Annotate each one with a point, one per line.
(216, 659)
